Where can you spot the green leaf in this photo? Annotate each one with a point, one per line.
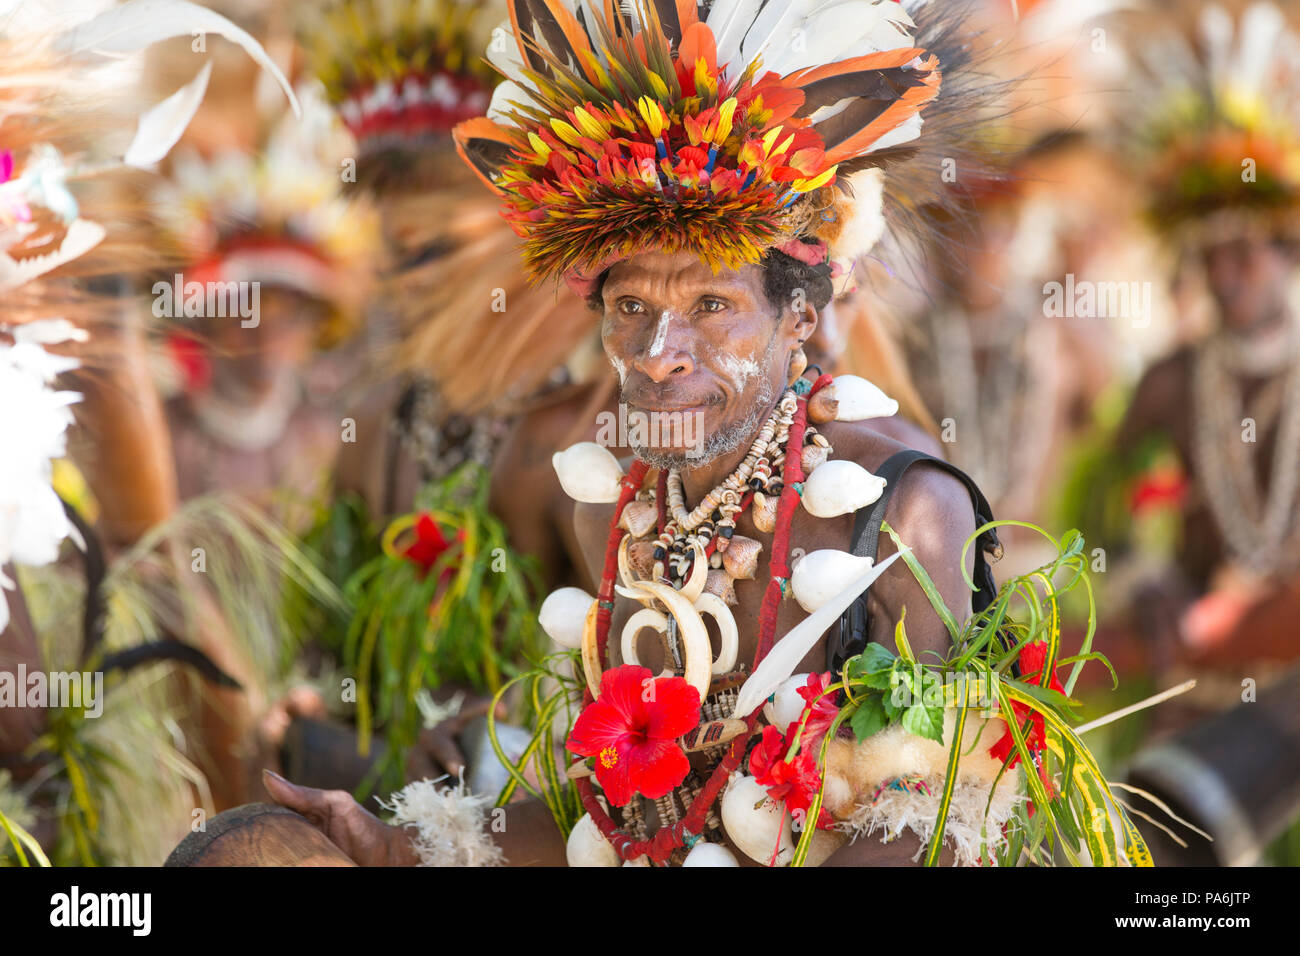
(878, 680)
(873, 659)
(900, 637)
(892, 710)
(870, 717)
(924, 722)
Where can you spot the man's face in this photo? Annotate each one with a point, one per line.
(684, 340)
(247, 361)
(1248, 279)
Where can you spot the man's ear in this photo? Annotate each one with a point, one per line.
(804, 315)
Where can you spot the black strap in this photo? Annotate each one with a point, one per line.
(854, 630)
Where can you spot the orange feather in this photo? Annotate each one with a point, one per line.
(913, 101)
(480, 127)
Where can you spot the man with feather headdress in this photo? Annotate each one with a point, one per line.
(1219, 145)
(706, 176)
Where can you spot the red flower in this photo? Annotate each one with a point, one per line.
(793, 782)
(430, 545)
(1032, 658)
(820, 713)
(1164, 487)
(634, 739)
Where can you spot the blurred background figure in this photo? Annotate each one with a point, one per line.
(1213, 427)
(256, 406)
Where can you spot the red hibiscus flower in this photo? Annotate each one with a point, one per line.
(1032, 658)
(632, 731)
(793, 782)
(819, 711)
(429, 545)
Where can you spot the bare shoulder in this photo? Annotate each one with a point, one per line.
(930, 509)
(1160, 397)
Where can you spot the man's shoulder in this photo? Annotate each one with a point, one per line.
(929, 501)
(858, 441)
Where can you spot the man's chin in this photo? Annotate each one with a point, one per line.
(674, 458)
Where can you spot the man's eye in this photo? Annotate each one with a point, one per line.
(630, 307)
(713, 305)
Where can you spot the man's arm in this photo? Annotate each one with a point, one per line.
(931, 512)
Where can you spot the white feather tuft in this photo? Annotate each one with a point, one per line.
(864, 219)
(137, 24)
(451, 824)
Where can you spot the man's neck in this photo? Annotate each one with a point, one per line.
(698, 481)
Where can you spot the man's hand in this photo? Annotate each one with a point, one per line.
(366, 839)
(437, 752)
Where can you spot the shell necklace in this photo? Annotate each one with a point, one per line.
(711, 525)
(688, 828)
(1261, 535)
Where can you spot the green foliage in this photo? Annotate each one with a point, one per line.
(343, 538)
(411, 630)
(889, 689)
(97, 774)
(555, 697)
(1081, 815)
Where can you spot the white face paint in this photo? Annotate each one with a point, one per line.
(661, 334)
(738, 370)
(620, 368)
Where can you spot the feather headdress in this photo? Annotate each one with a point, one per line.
(724, 129)
(1220, 132)
(401, 74)
(274, 217)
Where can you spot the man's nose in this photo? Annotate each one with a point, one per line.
(667, 352)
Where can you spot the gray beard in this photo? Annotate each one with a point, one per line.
(728, 438)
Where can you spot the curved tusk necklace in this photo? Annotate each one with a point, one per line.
(685, 536)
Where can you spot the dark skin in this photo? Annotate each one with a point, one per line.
(1247, 278)
(716, 324)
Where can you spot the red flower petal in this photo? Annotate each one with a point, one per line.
(675, 710)
(614, 772)
(597, 727)
(656, 767)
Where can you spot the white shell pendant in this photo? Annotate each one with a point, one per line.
(710, 854)
(562, 615)
(859, 399)
(786, 705)
(587, 846)
(588, 473)
(840, 487)
(755, 822)
(821, 575)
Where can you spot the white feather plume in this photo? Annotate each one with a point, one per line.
(791, 649)
(163, 125)
(141, 23)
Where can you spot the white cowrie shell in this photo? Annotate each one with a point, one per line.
(563, 614)
(840, 487)
(859, 399)
(588, 473)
